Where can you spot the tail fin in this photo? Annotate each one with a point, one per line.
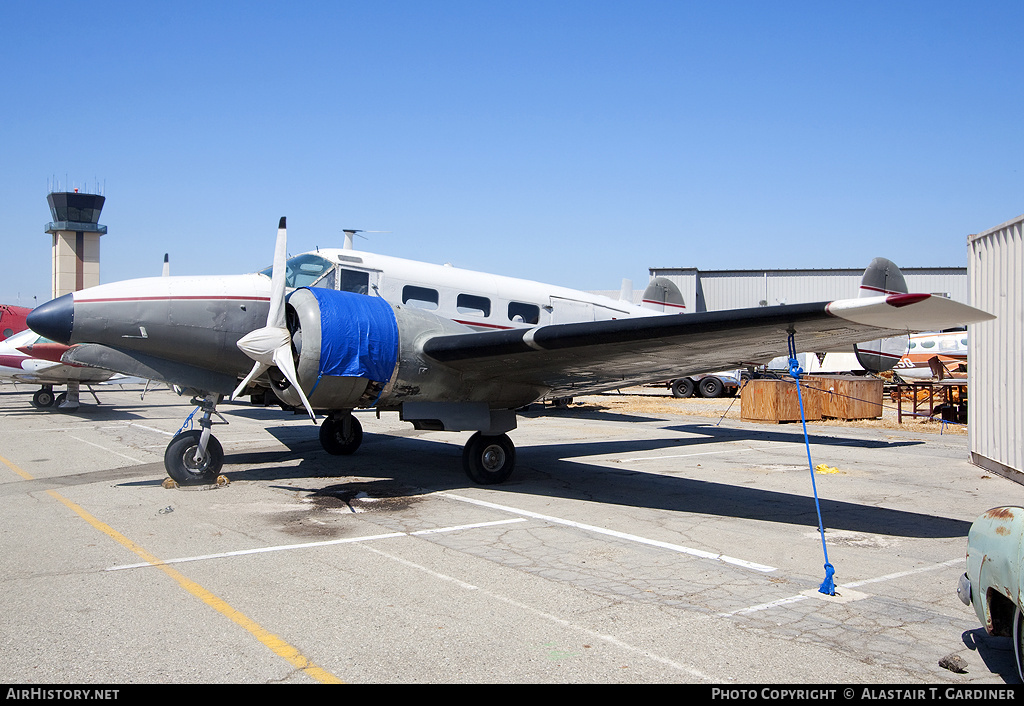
(663, 296)
(882, 277)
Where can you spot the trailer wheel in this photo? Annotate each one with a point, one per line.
(682, 387)
(711, 387)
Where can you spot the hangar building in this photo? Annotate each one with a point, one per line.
(717, 290)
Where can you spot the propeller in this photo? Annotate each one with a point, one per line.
(271, 346)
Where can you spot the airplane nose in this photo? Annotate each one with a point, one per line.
(54, 319)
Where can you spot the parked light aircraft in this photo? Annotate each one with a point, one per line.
(28, 357)
(448, 349)
(939, 355)
(12, 320)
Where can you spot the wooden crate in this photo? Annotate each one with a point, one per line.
(848, 396)
(769, 400)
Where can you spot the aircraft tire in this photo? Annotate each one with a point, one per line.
(711, 387)
(43, 399)
(682, 387)
(488, 460)
(333, 439)
(180, 464)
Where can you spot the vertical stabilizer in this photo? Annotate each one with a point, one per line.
(663, 296)
(881, 278)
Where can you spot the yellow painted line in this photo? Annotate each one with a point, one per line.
(278, 646)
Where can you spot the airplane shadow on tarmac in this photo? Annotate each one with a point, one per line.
(421, 466)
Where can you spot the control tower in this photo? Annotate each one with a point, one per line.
(76, 240)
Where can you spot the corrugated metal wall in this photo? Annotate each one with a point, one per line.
(996, 350)
(717, 290)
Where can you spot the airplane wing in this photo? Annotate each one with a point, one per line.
(583, 358)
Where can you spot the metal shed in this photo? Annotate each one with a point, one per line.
(996, 350)
(717, 290)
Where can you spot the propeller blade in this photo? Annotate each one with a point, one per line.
(271, 345)
(278, 280)
(284, 362)
(256, 371)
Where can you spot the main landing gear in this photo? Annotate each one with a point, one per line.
(46, 399)
(489, 459)
(195, 456)
(341, 434)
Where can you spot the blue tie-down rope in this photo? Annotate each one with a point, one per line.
(827, 587)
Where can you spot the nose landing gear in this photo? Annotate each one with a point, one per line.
(195, 456)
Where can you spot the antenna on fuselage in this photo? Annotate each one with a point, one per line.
(350, 234)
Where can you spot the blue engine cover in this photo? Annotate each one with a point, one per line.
(358, 335)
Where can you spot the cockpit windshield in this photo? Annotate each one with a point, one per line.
(303, 270)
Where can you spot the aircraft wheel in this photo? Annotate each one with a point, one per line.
(711, 387)
(341, 437)
(682, 387)
(43, 399)
(179, 459)
(489, 459)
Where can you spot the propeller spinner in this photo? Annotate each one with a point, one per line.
(271, 346)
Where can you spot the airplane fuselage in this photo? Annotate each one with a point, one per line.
(196, 322)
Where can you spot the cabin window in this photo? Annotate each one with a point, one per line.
(927, 344)
(420, 297)
(470, 304)
(519, 312)
(355, 281)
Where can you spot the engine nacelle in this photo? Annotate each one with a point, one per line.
(356, 350)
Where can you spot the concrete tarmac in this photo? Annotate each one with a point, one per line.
(628, 547)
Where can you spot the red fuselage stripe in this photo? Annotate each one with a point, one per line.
(677, 306)
(183, 298)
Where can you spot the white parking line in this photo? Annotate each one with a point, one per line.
(604, 637)
(851, 585)
(109, 451)
(619, 535)
(310, 545)
(661, 458)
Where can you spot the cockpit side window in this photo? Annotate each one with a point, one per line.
(303, 270)
(328, 281)
(355, 281)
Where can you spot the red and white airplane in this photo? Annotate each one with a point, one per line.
(29, 358)
(12, 320)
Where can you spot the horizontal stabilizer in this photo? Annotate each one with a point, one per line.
(908, 312)
(882, 277)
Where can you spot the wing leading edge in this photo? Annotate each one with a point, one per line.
(587, 357)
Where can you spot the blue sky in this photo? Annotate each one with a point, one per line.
(570, 142)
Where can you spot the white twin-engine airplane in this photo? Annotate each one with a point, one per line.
(448, 349)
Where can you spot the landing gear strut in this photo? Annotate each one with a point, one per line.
(196, 456)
